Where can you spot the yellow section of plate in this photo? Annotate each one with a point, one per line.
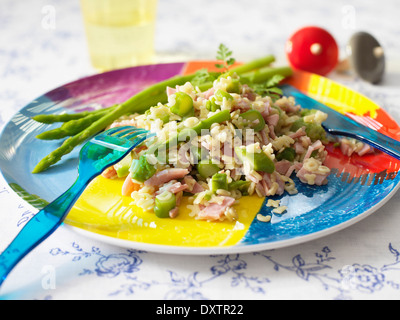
(102, 209)
(340, 98)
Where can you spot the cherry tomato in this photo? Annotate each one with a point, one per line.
(312, 49)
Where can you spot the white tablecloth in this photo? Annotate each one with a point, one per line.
(360, 262)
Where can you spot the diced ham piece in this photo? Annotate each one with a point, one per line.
(321, 179)
(109, 173)
(260, 187)
(301, 175)
(264, 184)
(215, 211)
(287, 106)
(272, 120)
(295, 167)
(252, 178)
(264, 137)
(242, 104)
(266, 112)
(305, 141)
(179, 196)
(283, 166)
(248, 93)
(209, 93)
(365, 150)
(315, 146)
(348, 149)
(197, 188)
(281, 185)
(228, 149)
(174, 213)
(272, 132)
(267, 183)
(299, 133)
(193, 186)
(165, 176)
(178, 187)
(173, 186)
(298, 147)
(129, 186)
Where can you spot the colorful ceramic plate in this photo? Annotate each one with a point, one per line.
(357, 187)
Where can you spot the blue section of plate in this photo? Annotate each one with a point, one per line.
(20, 151)
(318, 208)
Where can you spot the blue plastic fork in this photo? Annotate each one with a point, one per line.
(99, 153)
(341, 125)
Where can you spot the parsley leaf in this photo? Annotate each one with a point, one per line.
(269, 88)
(225, 56)
(274, 80)
(203, 76)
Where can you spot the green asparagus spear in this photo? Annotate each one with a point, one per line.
(138, 103)
(254, 65)
(256, 161)
(164, 203)
(239, 185)
(255, 119)
(53, 118)
(183, 105)
(219, 181)
(207, 169)
(314, 130)
(211, 105)
(141, 170)
(287, 154)
(221, 94)
(71, 127)
(265, 74)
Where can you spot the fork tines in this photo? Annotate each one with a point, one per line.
(120, 138)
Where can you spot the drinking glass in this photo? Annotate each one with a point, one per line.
(120, 33)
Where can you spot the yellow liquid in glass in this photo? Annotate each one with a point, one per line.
(120, 33)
